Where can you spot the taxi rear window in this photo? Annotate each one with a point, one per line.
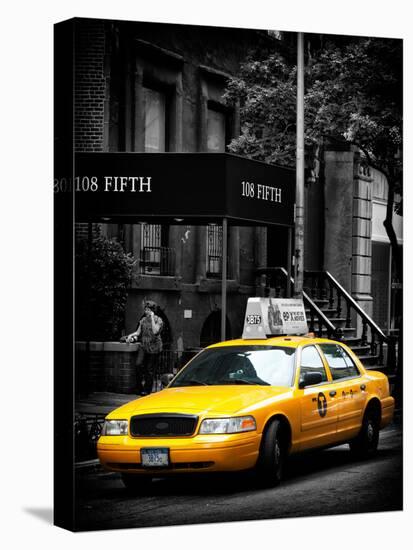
(340, 363)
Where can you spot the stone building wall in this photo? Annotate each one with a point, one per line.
(338, 213)
(114, 61)
(348, 223)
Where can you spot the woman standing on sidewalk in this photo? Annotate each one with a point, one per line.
(149, 332)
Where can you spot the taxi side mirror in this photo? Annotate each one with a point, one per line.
(310, 379)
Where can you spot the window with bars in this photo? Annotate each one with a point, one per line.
(156, 257)
(214, 251)
(154, 104)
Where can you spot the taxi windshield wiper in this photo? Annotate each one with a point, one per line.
(241, 381)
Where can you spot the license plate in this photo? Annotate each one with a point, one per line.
(155, 457)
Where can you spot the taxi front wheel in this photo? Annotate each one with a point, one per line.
(272, 455)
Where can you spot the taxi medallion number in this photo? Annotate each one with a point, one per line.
(155, 457)
(253, 319)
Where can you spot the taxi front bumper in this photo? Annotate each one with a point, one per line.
(211, 453)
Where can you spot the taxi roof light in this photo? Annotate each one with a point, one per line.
(274, 317)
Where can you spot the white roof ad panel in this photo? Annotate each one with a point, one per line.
(274, 317)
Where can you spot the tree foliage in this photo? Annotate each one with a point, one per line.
(353, 92)
(266, 90)
(103, 275)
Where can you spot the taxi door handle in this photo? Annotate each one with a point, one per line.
(333, 393)
(363, 387)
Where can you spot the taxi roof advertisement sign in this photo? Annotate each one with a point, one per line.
(274, 317)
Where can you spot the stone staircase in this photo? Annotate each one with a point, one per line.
(333, 313)
(347, 335)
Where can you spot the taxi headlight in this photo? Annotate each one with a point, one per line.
(228, 425)
(115, 427)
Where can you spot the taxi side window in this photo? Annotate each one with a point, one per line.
(340, 363)
(311, 362)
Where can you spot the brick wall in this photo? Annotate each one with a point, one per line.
(90, 85)
(110, 367)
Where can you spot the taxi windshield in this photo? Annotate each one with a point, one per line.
(239, 365)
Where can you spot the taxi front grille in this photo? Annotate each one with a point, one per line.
(163, 425)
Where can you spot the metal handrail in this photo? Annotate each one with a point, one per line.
(323, 318)
(375, 331)
(356, 306)
(320, 314)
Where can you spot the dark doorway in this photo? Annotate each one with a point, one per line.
(211, 330)
(380, 283)
(277, 246)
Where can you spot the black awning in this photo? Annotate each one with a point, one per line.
(192, 188)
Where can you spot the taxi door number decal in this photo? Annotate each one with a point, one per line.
(322, 404)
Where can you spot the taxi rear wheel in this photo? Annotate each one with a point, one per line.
(365, 444)
(272, 455)
(136, 483)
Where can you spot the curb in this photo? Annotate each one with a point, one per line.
(87, 465)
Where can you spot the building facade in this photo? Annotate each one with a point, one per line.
(147, 87)
(143, 87)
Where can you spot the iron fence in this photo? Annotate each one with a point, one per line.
(158, 260)
(87, 429)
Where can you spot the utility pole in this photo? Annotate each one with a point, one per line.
(299, 200)
(224, 278)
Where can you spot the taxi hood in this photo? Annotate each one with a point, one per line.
(204, 400)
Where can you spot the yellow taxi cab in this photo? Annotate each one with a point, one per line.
(248, 404)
